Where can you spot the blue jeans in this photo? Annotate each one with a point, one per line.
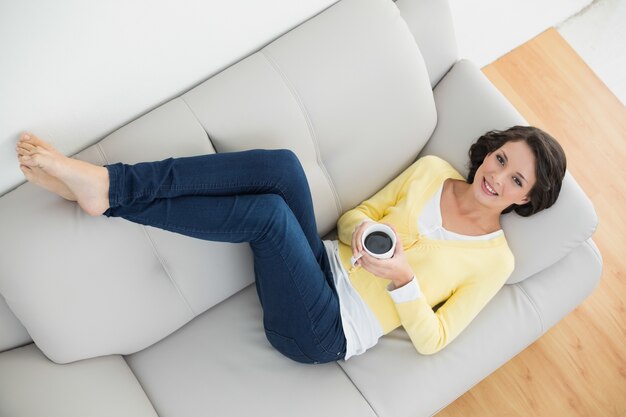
(257, 196)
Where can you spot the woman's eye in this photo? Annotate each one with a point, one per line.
(517, 181)
(500, 159)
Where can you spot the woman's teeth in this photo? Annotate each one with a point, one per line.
(491, 190)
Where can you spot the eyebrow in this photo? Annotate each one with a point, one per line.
(506, 158)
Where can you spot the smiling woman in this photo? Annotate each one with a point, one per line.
(336, 309)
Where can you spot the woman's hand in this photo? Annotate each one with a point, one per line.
(357, 246)
(396, 268)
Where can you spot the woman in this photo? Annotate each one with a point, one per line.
(317, 306)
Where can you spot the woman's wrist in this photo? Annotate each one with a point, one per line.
(403, 279)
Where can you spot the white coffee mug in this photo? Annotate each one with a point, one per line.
(381, 241)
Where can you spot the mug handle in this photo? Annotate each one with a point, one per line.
(353, 259)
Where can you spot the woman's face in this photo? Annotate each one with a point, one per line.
(506, 176)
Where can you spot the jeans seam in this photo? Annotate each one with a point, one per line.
(197, 187)
(179, 229)
(114, 185)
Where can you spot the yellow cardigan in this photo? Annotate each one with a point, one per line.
(464, 274)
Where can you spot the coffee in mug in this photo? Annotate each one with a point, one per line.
(379, 241)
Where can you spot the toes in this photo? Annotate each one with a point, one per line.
(25, 148)
(29, 160)
(26, 171)
(29, 138)
(26, 136)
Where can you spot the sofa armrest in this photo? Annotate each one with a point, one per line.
(468, 105)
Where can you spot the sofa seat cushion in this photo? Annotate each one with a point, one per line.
(220, 364)
(31, 385)
(468, 105)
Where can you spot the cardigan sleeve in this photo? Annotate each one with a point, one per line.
(431, 331)
(376, 207)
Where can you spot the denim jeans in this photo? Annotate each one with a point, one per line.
(257, 196)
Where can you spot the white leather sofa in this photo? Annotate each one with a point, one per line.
(129, 320)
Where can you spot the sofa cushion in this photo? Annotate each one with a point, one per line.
(103, 286)
(547, 295)
(31, 385)
(13, 334)
(221, 364)
(348, 91)
(468, 105)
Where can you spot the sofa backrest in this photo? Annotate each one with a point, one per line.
(433, 30)
(348, 91)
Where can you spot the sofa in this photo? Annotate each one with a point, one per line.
(103, 317)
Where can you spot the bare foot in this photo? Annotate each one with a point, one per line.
(87, 182)
(35, 174)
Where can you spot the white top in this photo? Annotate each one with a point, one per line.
(360, 325)
(430, 223)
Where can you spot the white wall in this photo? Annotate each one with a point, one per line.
(488, 29)
(72, 71)
(599, 37)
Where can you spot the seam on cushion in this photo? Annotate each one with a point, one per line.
(534, 306)
(310, 126)
(195, 116)
(357, 388)
(594, 248)
(155, 251)
(159, 258)
(102, 153)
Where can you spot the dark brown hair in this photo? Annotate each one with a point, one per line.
(550, 164)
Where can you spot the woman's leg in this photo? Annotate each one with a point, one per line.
(301, 312)
(233, 173)
(260, 197)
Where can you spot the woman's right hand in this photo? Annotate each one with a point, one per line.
(357, 246)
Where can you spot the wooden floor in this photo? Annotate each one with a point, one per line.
(578, 368)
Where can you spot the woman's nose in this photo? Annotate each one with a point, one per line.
(498, 178)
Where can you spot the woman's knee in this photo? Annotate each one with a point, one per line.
(287, 161)
(275, 208)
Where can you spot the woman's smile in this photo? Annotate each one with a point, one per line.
(488, 189)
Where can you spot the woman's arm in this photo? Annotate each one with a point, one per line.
(431, 331)
(376, 207)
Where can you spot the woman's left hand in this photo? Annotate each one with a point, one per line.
(396, 268)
